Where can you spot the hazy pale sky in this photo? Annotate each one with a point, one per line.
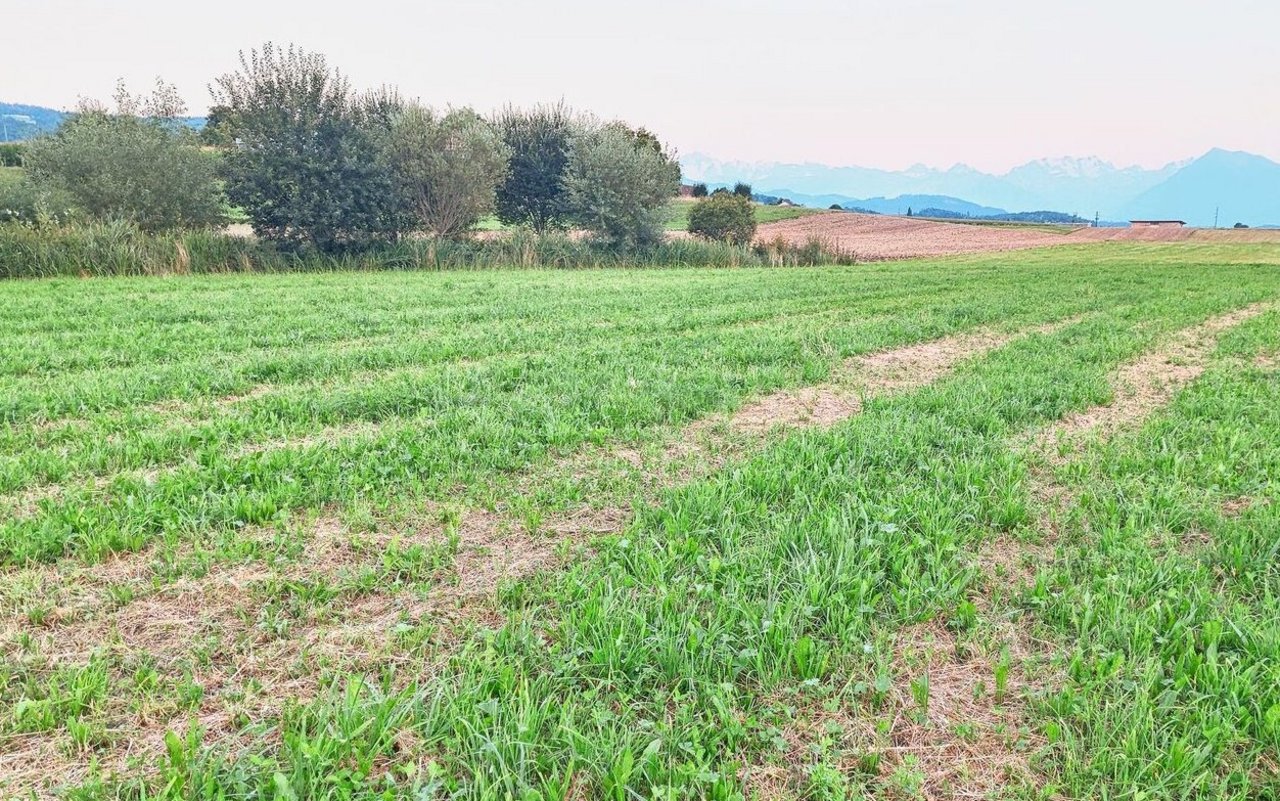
(991, 83)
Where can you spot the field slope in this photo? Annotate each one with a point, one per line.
(1003, 526)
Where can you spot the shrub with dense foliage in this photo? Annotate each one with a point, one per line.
(305, 162)
(138, 164)
(724, 217)
(699, 190)
(11, 154)
(446, 168)
(24, 202)
(539, 141)
(619, 184)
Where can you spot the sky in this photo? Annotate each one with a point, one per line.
(988, 83)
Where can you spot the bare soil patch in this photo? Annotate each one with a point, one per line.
(1234, 507)
(25, 503)
(961, 725)
(881, 373)
(873, 237)
(811, 406)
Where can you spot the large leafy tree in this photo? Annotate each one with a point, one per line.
(138, 163)
(446, 167)
(539, 141)
(303, 162)
(618, 183)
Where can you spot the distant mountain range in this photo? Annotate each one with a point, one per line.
(1240, 187)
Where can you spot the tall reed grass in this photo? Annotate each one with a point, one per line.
(106, 249)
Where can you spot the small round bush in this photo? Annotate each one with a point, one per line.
(724, 217)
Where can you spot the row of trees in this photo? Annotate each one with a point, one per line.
(314, 164)
(699, 190)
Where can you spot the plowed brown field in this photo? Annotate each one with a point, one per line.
(876, 238)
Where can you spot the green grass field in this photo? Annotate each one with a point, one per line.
(1053, 228)
(994, 527)
(678, 216)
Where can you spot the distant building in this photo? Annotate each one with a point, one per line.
(1157, 223)
(686, 190)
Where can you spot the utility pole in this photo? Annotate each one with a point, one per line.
(1096, 215)
(1215, 218)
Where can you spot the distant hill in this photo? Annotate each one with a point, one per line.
(890, 205)
(949, 206)
(19, 122)
(1244, 186)
(1054, 217)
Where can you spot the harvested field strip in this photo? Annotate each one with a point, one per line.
(154, 434)
(880, 373)
(484, 327)
(885, 237)
(641, 625)
(1141, 387)
(967, 755)
(963, 714)
(876, 237)
(203, 410)
(1163, 598)
(260, 416)
(109, 391)
(472, 336)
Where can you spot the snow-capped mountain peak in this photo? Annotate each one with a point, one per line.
(1069, 167)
